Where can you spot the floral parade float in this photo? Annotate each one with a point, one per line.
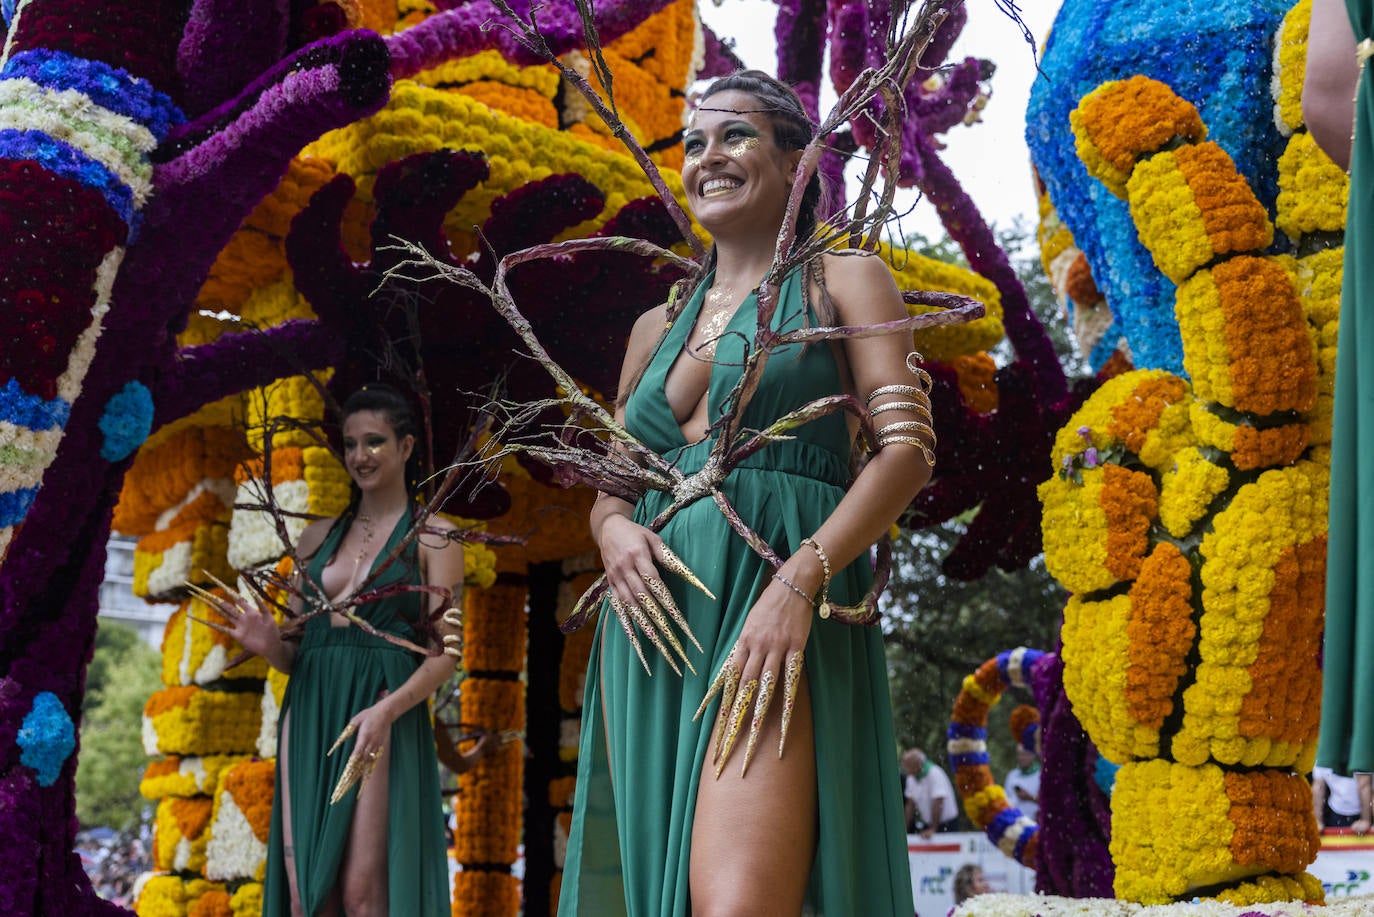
(1187, 514)
(206, 185)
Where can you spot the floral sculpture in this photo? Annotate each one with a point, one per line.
(1188, 516)
(149, 137)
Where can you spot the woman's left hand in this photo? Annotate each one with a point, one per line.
(769, 649)
(373, 727)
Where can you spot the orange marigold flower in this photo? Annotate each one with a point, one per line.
(1255, 448)
(1079, 283)
(1161, 632)
(1124, 120)
(1130, 502)
(1234, 218)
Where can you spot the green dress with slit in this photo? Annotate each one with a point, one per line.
(338, 672)
(641, 754)
(1347, 724)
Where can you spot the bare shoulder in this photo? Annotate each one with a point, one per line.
(862, 287)
(646, 330)
(439, 523)
(313, 536)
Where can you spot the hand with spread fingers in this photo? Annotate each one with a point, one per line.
(246, 622)
(770, 653)
(639, 597)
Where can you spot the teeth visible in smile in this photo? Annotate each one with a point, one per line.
(718, 186)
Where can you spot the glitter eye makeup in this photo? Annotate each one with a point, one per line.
(741, 145)
(692, 159)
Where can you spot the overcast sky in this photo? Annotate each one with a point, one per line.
(990, 158)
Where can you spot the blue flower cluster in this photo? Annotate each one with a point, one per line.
(69, 162)
(126, 421)
(47, 737)
(24, 410)
(109, 87)
(1217, 56)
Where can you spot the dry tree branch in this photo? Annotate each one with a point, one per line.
(616, 462)
(533, 39)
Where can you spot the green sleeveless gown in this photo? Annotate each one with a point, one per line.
(338, 672)
(631, 835)
(1347, 725)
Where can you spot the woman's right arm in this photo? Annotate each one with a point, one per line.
(1328, 95)
(255, 629)
(627, 549)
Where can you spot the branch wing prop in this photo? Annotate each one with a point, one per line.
(594, 447)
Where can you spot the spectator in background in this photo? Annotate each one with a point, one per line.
(969, 881)
(1363, 782)
(1022, 785)
(930, 803)
(1335, 798)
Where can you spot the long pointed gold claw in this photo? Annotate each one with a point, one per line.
(624, 617)
(348, 732)
(234, 595)
(641, 619)
(727, 706)
(737, 714)
(209, 598)
(767, 682)
(212, 625)
(665, 598)
(358, 768)
(655, 613)
(674, 564)
(791, 679)
(717, 684)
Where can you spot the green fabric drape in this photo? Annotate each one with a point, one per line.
(338, 672)
(641, 755)
(1347, 726)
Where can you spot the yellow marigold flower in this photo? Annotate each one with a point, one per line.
(1188, 490)
(195, 721)
(1245, 340)
(1263, 566)
(180, 835)
(1318, 281)
(1290, 66)
(1074, 527)
(1177, 828)
(1313, 190)
(1097, 647)
(914, 271)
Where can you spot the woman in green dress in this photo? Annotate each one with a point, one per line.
(666, 822)
(1334, 69)
(379, 847)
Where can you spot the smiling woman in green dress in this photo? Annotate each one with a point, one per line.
(666, 822)
(380, 848)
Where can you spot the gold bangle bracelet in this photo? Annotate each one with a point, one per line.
(908, 390)
(915, 407)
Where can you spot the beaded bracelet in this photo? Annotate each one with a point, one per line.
(794, 587)
(824, 593)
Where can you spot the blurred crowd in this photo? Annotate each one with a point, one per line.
(114, 861)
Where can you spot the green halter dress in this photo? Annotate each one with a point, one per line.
(338, 672)
(641, 755)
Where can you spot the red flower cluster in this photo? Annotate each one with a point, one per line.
(47, 269)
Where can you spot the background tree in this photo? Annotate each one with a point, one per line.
(939, 628)
(122, 674)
